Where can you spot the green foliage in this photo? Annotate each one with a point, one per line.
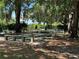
(49, 11)
(12, 22)
(1, 3)
(56, 23)
(3, 22)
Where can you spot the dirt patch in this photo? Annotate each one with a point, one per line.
(49, 49)
(60, 49)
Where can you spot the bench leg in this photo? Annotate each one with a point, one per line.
(6, 38)
(23, 39)
(14, 39)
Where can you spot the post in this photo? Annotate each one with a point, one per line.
(32, 39)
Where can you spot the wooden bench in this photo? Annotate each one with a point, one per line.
(34, 35)
(42, 36)
(15, 36)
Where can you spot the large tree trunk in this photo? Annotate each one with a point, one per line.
(18, 11)
(74, 21)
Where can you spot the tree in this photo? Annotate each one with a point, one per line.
(74, 20)
(18, 13)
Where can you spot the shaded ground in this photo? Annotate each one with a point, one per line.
(61, 49)
(49, 49)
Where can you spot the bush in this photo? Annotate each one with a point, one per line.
(33, 26)
(13, 26)
(48, 27)
(0, 28)
(62, 27)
